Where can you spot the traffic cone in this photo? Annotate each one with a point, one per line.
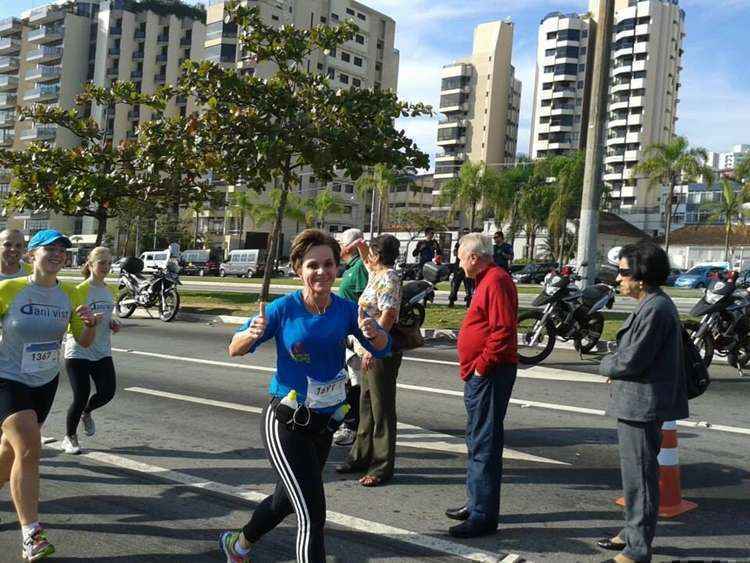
(671, 503)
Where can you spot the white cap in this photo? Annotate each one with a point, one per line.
(350, 235)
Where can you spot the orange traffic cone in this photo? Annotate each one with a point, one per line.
(671, 503)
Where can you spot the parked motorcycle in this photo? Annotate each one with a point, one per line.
(409, 271)
(160, 290)
(724, 328)
(569, 314)
(415, 294)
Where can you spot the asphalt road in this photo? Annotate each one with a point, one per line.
(178, 458)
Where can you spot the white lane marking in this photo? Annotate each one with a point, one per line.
(410, 436)
(353, 523)
(521, 402)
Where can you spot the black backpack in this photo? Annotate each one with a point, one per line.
(696, 372)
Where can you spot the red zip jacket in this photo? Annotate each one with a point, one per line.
(488, 335)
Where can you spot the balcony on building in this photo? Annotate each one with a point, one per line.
(140, 34)
(39, 133)
(186, 42)
(162, 38)
(114, 51)
(9, 45)
(8, 101)
(112, 72)
(8, 83)
(45, 14)
(138, 55)
(451, 135)
(162, 58)
(7, 138)
(10, 26)
(7, 118)
(160, 78)
(115, 30)
(44, 55)
(42, 73)
(136, 74)
(450, 157)
(43, 94)
(8, 64)
(46, 34)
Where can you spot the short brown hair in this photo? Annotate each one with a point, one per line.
(308, 238)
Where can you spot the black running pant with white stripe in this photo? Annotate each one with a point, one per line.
(298, 458)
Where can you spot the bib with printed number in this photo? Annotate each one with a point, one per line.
(325, 394)
(40, 356)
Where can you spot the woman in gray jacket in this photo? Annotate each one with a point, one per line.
(648, 388)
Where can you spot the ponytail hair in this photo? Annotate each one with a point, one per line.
(95, 255)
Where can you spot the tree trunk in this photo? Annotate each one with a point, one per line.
(527, 253)
(372, 216)
(727, 233)
(195, 236)
(276, 231)
(533, 244)
(473, 215)
(101, 228)
(668, 229)
(561, 257)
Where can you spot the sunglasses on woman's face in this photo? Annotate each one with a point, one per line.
(625, 272)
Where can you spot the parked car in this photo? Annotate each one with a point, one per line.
(285, 270)
(515, 268)
(534, 272)
(241, 263)
(198, 263)
(674, 273)
(157, 259)
(116, 268)
(697, 277)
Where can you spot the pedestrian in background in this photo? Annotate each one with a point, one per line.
(502, 252)
(648, 388)
(427, 249)
(12, 247)
(374, 449)
(353, 283)
(488, 358)
(459, 277)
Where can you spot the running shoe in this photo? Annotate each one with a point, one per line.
(88, 424)
(37, 546)
(344, 436)
(70, 445)
(227, 541)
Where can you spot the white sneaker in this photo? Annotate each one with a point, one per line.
(344, 436)
(70, 445)
(89, 427)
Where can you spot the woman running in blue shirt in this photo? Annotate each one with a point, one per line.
(308, 393)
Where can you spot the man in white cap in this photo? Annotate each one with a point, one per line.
(353, 283)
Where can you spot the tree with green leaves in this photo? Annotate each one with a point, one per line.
(376, 184)
(670, 164)
(415, 223)
(502, 197)
(323, 204)
(533, 210)
(464, 193)
(96, 178)
(729, 210)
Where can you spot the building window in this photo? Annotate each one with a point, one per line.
(334, 17)
(331, 73)
(323, 19)
(550, 52)
(343, 78)
(274, 17)
(552, 35)
(320, 66)
(349, 188)
(360, 39)
(349, 11)
(336, 187)
(361, 16)
(357, 61)
(346, 57)
(356, 82)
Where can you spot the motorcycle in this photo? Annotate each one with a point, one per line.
(409, 271)
(416, 293)
(158, 291)
(569, 314)
(724, 328)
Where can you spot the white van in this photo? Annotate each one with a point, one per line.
(241, 263)
(154, 259)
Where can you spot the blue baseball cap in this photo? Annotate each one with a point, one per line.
(47, 237)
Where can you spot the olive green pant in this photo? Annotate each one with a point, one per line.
(374, 449)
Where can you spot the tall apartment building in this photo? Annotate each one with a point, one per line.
(723, 161)
(642, 95)
(49, 53)
(480, 102)
(369, 60)
(561, 86)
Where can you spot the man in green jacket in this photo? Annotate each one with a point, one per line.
(353, 283)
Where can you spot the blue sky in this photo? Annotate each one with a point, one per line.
(715, 101)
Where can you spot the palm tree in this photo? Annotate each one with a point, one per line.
(319, 207)
(465, 192)
(729, 209)
(502, 197)
(533, 209)
(672, 163)
(378, 182)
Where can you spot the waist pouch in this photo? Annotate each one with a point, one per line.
(304, 419)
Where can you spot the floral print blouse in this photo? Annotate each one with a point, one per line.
(383, 292)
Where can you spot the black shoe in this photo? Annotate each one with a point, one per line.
(458, 513)
(472, 529)
(607, 543)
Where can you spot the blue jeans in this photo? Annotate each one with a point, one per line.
(486, 399)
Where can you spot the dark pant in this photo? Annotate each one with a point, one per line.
(351, 421)
(374, 450)
(640, 443)
(298, 458)
(460, 277)
(79, 373)
(486, 399)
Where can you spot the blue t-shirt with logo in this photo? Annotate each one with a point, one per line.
(309, 346)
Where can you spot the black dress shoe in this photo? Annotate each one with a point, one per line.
(607, 543)
(472, 529)
(458, 513)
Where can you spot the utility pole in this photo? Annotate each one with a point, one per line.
(592, 177)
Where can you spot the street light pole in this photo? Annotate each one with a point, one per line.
(592, 176)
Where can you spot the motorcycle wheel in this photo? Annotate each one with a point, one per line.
(172, 299)
(593, 333)
(527, 322)
(706, 344)
(124, 311)
(418, 314)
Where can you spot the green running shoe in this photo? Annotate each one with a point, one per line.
(37, 546)
(227, 541)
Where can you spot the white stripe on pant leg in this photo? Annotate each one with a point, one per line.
(293, 490)
(273, 451)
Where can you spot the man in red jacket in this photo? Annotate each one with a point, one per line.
(487, 354)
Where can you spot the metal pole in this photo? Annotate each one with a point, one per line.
(372, 214)
(591, 196)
